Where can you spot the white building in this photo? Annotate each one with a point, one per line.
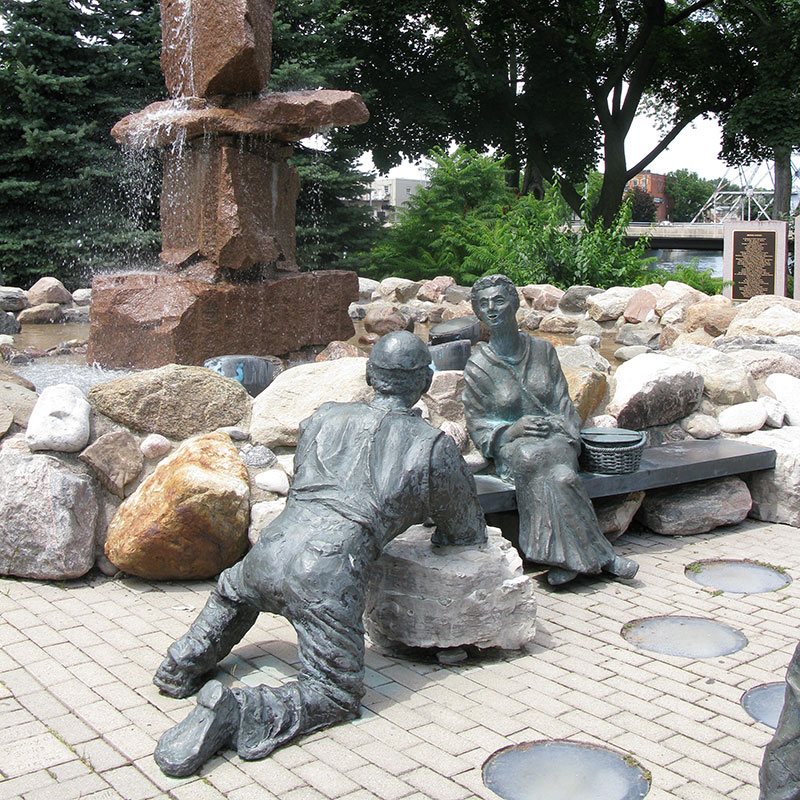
(387, 195)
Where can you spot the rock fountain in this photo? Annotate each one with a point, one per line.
(229, 281)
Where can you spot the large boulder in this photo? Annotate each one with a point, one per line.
(766, 315)
(790, 345)
(776, 492)
(189, 518)
(558, 322)
(48, 290)
(60, 420)
(695, 507)
(714, 315)
(48, 518)
(582, 356)
(299, 392)
(654, 389)
(176, 401)
(425, 596)
(726, 380)
(433, 291)
(396, 289)
(610, 304)
(786, 389)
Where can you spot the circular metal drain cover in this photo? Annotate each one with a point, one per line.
(740, 577)
(692, 637)
(764, 703)
(561, 770)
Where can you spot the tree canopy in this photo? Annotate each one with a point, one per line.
(552, 85)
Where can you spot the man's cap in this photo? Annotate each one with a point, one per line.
(400, 350)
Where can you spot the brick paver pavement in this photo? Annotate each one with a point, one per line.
(80, 718)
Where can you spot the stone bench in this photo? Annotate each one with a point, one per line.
(664, 465)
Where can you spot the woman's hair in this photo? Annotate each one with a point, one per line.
(490, 281)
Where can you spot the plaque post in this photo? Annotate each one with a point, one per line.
(754, 258)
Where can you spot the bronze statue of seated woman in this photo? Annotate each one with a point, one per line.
(520, 415)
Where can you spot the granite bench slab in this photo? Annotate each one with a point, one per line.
(664, 465)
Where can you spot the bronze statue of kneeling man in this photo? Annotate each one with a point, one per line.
(363, 474)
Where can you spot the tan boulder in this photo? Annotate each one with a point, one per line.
(189, 518)
(340, 350)
(175, 401)
(587, 388)
(18, 399)
(383, 318)
(711, 315)
(9, 376)
(41, 313)
(48, 290)
(542, 296)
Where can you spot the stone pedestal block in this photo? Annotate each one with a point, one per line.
(220, 204)
(148, 320)
(425, 596)
(211, 47)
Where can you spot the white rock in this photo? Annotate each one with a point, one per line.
(674, 315)
(742, 418)
(286, 460)
(603, 421)
(776, 412)
(273, 480)
(582, 356)
(59, 420)
(154, 445)
(775, 321)
(701, 426)
(776, 492)
(6, 338)
(366, 286)
(654, 389)
(786, 389)
(298, 392)
(48, 518)
(458, 433)
(678, 294)
(423, 596)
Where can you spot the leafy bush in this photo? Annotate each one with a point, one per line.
(469, 223)
(691, 274)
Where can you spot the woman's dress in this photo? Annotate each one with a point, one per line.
(557, 523)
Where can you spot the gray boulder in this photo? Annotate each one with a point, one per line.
(48, 518)
(610, 304)
(762, 363)
(701, 426)
(574, 299)
(176, 401)
(640, 333)
(116, 459)
(615, 514)
(787, 344)
(776, 413)
(695, 507)
(630, 351)
(582, 356)
(60, 420)
(654, 389)
(12, 298)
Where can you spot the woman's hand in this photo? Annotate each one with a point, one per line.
(538, 427)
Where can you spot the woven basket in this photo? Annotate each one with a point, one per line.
(613, 460)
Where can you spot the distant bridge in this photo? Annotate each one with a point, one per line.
(675, 236)
(679, 235)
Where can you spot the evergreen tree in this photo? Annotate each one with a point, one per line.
(332, 230)
(67, 73)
